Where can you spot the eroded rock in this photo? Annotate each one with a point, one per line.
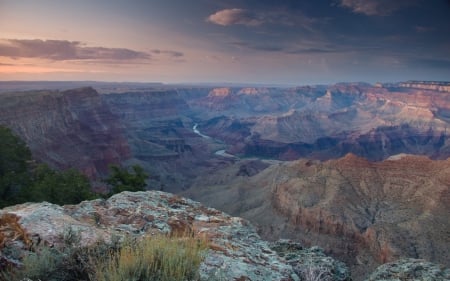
(411, 270)
(236, 252)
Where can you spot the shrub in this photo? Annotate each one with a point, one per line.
(154, 258)
(159, 258)
(65, 187)
(121, 179)
(315, 273)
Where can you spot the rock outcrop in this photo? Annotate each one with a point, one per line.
(411, 270)
(236, 252)
(311, 263)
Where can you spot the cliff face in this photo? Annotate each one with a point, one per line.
(436, 86)
(74, 128)
(364, 213)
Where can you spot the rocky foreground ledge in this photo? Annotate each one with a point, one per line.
(236, 252)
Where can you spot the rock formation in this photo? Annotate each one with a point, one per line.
(235, 250)
(410, 269)
(364, 213)
(436, 86)
(70, 129)
(324, 123)
(152, 126)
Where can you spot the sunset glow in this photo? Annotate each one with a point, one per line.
(280, 42)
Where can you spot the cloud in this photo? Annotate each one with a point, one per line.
(314, 51)
(170, 53)
(258, 46)
(228, 17)
(61, 50)
(377, 7)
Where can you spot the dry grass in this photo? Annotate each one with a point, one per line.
(161, 257)
(11, 230)
(153, 258)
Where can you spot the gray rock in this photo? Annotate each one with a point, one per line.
(311, 263)
(410, 270)
(236, 251)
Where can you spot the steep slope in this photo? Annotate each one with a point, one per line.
(73, 128)
(364, 213)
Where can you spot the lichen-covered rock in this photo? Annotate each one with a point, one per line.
(410, 270)
(236, 252)
(308, 262)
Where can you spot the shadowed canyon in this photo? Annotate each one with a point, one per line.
(360, 170)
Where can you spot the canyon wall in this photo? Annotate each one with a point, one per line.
(364, 212)
(69, 129)
(325, 123)
(436, 86)
(361, 212)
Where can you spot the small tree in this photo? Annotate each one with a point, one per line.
(66, 187)
(123, 180)
(14, 156)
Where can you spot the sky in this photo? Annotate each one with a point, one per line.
(292, 42)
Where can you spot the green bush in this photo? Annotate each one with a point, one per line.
(14, 156)
(65, 187)
(121, 179)
(21, 181)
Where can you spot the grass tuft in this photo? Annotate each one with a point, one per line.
(153, 258)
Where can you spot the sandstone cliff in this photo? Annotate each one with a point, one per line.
(69, 129)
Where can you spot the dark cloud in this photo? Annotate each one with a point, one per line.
(377, 7)
(170, 53)
(65, 50)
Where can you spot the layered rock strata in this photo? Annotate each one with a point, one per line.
(69, 129)
(365, 213)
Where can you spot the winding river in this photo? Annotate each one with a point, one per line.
(221, 152)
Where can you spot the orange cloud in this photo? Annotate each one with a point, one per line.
(234, 16)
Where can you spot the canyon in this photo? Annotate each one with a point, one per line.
(360, 170)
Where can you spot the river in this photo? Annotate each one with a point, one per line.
(221, 152)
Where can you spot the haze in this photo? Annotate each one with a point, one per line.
(252, 41)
